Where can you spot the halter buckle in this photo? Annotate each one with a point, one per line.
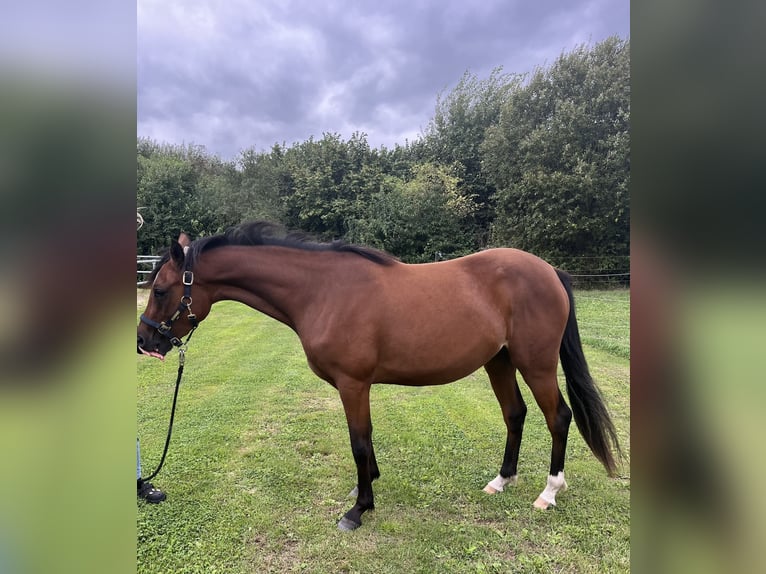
(188, 278)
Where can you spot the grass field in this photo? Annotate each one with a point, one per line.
(260, 468)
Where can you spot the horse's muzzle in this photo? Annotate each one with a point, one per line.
(141, 349)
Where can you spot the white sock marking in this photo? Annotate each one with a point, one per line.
(555, 484)
(499, 483)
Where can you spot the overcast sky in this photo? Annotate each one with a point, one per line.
(239, 74)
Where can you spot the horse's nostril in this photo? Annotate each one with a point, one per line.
(140, 341)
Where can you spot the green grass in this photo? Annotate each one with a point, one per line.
(259, 468)
(604, 319)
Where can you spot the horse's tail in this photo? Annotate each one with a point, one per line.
(590, 413)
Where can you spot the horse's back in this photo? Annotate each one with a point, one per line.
(504, 278)
(440, 321)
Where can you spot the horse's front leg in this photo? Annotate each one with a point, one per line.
(374, 471)
(356, 402)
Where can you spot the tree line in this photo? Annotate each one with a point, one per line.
(539, 161)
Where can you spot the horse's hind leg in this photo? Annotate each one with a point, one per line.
(502, 375)
(558, 415)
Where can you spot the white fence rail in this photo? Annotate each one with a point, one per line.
(145, 264)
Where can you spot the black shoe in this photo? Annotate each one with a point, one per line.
(147, 491)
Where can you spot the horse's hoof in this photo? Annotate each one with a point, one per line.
(354, 492)
(499, 483)
(543, 504)
(347, 525)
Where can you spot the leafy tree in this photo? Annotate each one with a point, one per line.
(166, 199)
(247, 189)
(457, 131)
(171, 182)
(329, 181)
(398, 162)
(419, 220)
(220, 199)
(539, 162)
(560, 156)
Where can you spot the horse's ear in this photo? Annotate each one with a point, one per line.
(177, 254)
(179, 248)
(184, 240)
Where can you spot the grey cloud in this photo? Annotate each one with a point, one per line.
(251, 74)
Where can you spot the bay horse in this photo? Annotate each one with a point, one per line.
(363, 318)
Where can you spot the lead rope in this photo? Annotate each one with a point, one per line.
(181, 362)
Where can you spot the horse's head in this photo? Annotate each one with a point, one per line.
(176, 304)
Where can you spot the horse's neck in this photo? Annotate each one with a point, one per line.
(277, 281)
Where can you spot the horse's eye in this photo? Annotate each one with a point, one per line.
(159, 292)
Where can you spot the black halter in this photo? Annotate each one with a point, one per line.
(185, 305)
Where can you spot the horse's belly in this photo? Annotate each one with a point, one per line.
(436, 361)
(435, 375)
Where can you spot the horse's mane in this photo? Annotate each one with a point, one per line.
(265, 233)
